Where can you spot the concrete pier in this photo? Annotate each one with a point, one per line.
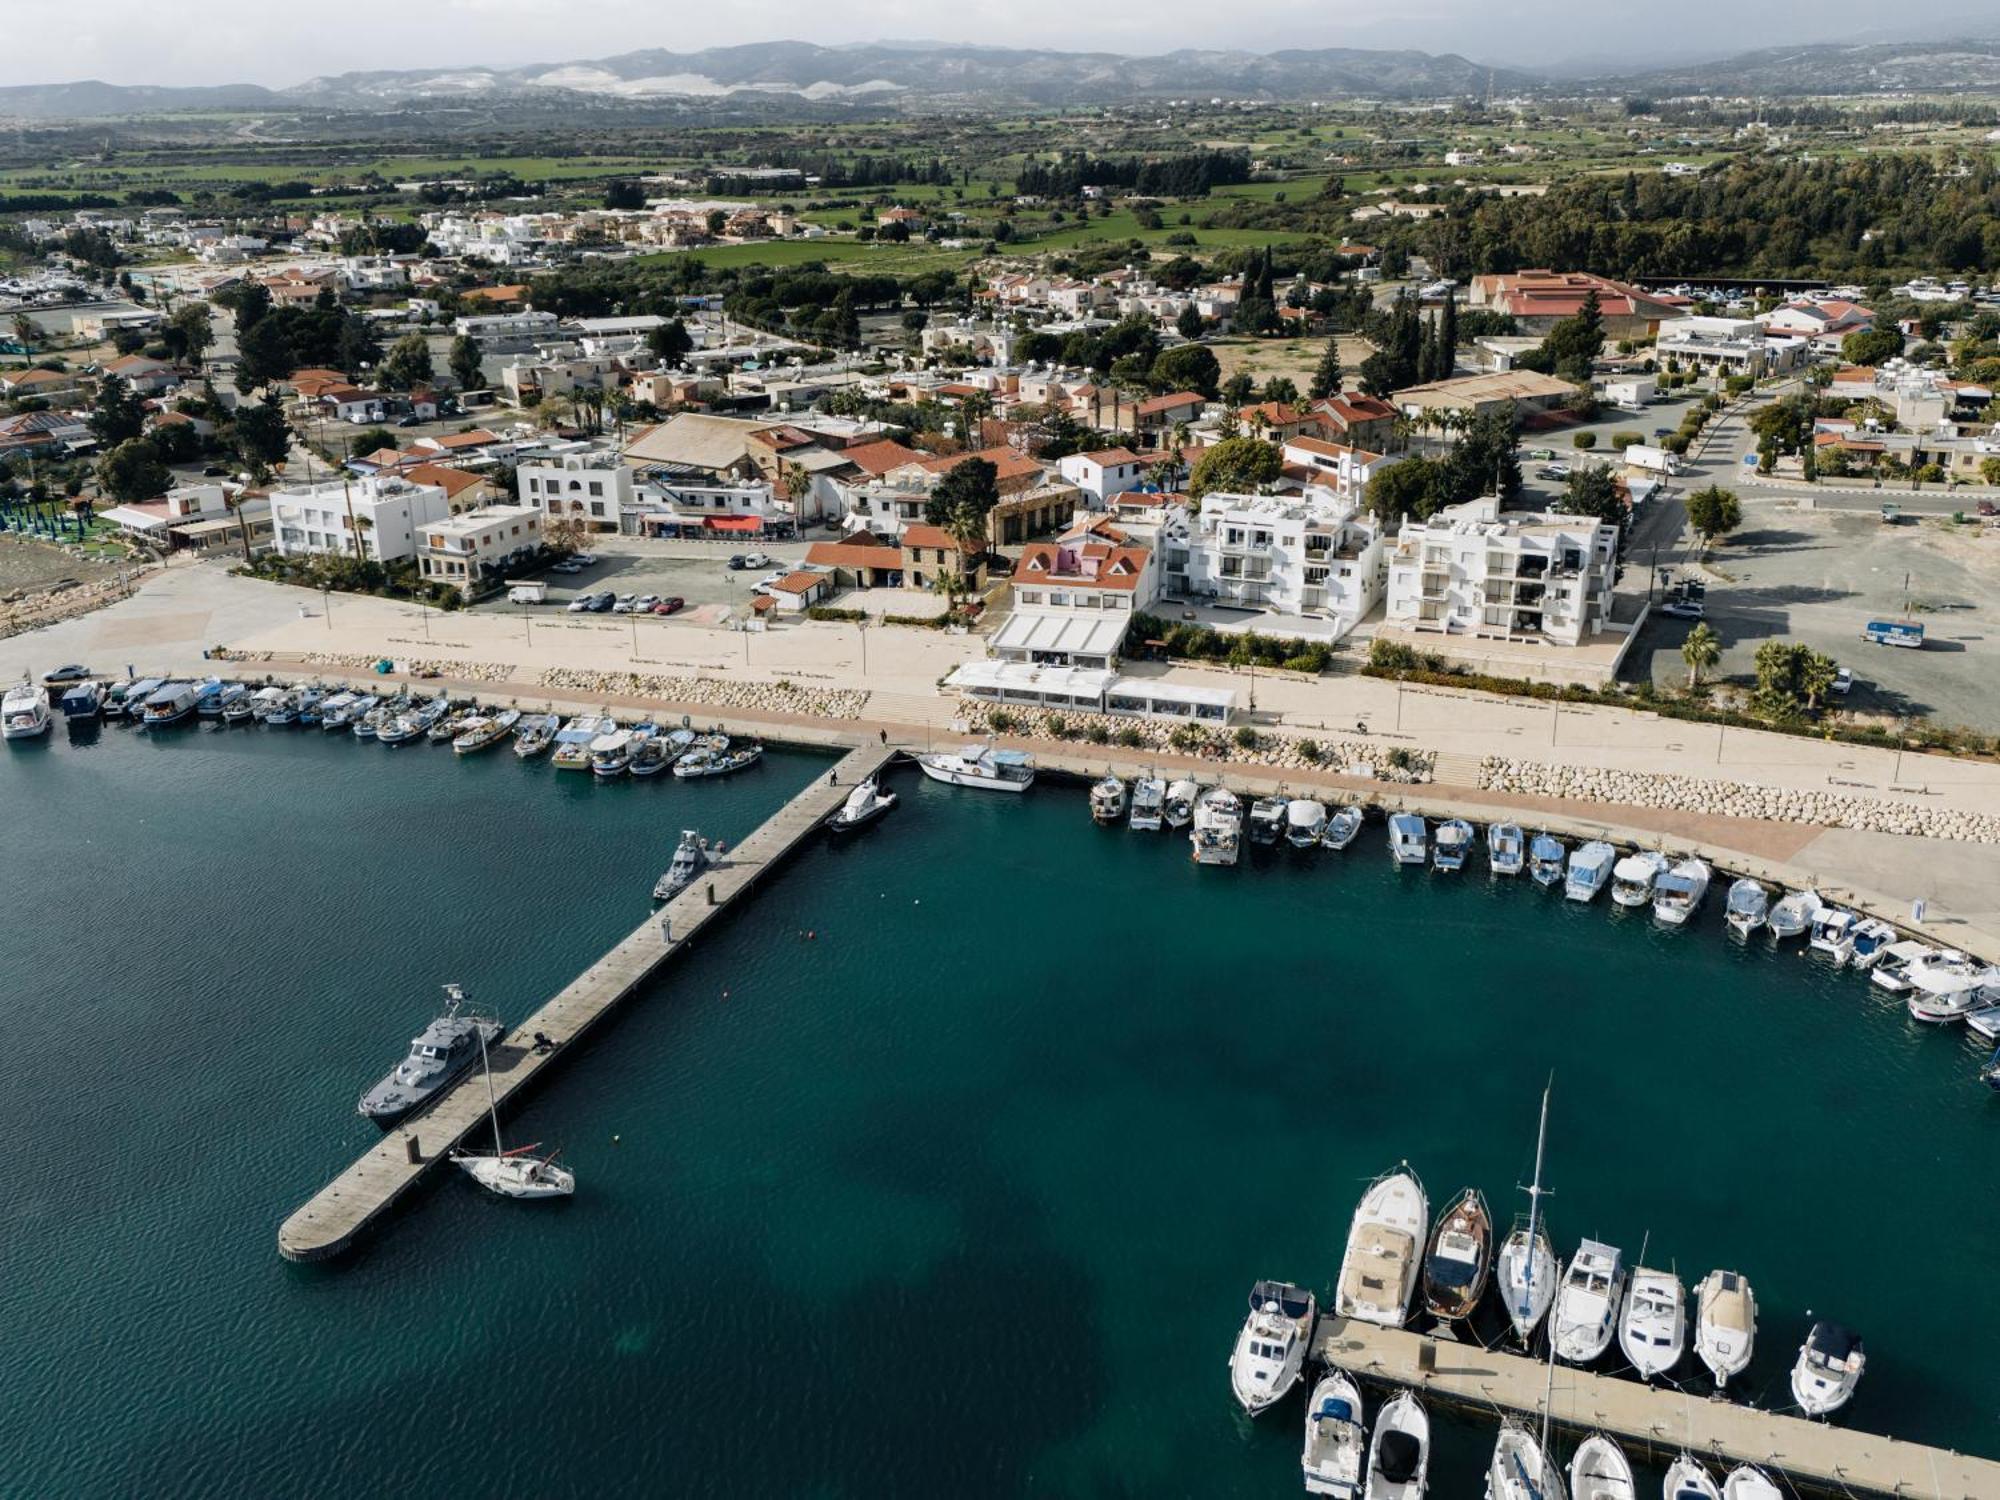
(331, 1219)
(1813, 1456)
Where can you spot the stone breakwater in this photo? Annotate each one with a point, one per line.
(458, 671)
(713, 692)
(1267, 749)
(1735, 799)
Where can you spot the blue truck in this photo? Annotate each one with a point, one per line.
(1894, 633)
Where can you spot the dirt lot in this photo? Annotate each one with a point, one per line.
(1295, 359)
(28, 566)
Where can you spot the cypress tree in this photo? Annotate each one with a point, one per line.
(1326, 379)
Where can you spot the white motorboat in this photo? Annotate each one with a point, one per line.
(610, 754)
(1632, 878)
(1407, 843)
(1305, 822)
(1586, 1307)
(1792, 915)
(1892, 969)
(239, 704)
(1832, 933)
(704, 760)
(1506, 848)
(1725, 1324)
(1178, 808)
(1946, 986)
(1343, 828)
(1652, 1330)
(1527, 1259)
(519, 1173)
(1217, 834)
(1983, 1020)
(1520, 1469)
(1827, 1370)
(268, 704)
(1589, 870)
(1267, 819)
(1546, 860)
(1872, 938)
(483, 731)
(1688, 1480)
(1748, 905)
(1678, 894)
(978, 766)
(535, 734)
(1335, 1448)
(864, 805)
(24, 712)
(1399, 1454)
(1149, 796)
(1107, 800)
(1385, 1243)
(1271, 1347)
(1451, 845)
(1599, 1470)
(1748, 1482)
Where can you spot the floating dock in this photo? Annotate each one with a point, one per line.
(1658, 1420)
(331, 1219)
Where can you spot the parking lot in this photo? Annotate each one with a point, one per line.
(697, 572)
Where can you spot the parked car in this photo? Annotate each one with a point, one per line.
(215, 471)
(580, 604)
(738, 562)
(1684, 609)
(569, 565)
(1843, 681)
(584, 559)
(70, 673)
(602, 604)
(411, 421)
(1987, 508)
(624, 604)
(645, 603)
(673, 604)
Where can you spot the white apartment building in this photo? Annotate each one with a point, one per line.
(1472, 571)
(1100, 475)
(1316, 554)
(453, 550)
(1337, 467)
(384, 514)
(1730, 346)
(593, 488)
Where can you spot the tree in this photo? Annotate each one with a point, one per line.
(670, 342)
(27, 332)
(1403, 491)
(1238, 388)
(1989, 469)
(263, 353)
(262, 437)
(1238, 465)
(465, 361)
(1871, 346)
(1379, 376)
(408, 363)
(117, 415)
(1447, 337)
(370, 439)
(624, 192)
(1712, 512)
(1816, 674)
(1701, 651)
(1189, 367)
(191, 331)
(1326, 379)
(1188, 325)
(1280, 388)
(133, 471)
(1591, 491)
(972, 482)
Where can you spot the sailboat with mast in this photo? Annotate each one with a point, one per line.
(1523, 1466)
(1527, 1259)
(519, 1173)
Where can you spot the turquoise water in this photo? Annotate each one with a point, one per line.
(958, 1194)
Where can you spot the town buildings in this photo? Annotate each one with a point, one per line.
(376, 518)
(1316, 554)
(1471, 570)
(467, 550)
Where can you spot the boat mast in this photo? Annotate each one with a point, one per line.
(492, 1108)
(1535, 1193)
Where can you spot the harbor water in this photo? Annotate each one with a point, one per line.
(941, 1167)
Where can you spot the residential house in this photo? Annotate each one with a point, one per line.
(1103, 473)
(1357, 420)
(1161, 414)
(468, 549)
(146, 377)
(1470, 570)
(1314, 462)
(1074, 598)
(931, 552)
(1522, 391)
(860, 560)
(1825, 324)
(464, 489)
(798, 590)
(593, 488)
(667, 503)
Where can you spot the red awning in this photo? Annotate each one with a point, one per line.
(733, 523)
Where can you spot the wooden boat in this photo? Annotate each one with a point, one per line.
(1460, 1257)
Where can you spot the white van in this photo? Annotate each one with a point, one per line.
(534, 592)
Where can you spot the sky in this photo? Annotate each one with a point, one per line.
(256, 41)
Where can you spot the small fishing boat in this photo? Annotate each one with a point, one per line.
(1305, 822)
(1589, 870)
(651, 754)
(611, 754)
(1872, 938)
(1407, 838)
(1342, 828)
(269, 701)
(1271, 1347)
(1990, 1073)
(208, 697)
(369, 725)
(1652, 1330)
(1633, 877)
(535, 734)
(1520, 1469)
(1892, 968)
(1335, 1448)
(1599, 1470)
(1217, 834)
(1506, 848)
(1149, 797)
(1832, 934)
(518, 1173)
(1399, 1455)
(1792, 915)
(1107, 800)
(1378, 1272)
(1266, 823)
(1748, 1482)
(1688, 1480)
(1747, 907)
(704, 761)
(132, 705)
(1725, 1324)
(452, 724)
(1451, 845)
(1827, 1370)
(864, 805)
(83, 703)
(690, 859)
(236, 704)
(1546, 860)
(338, 713)
(1677, 895)
(1586, 1308)
(24, 712)
(572, 742)
(979, 766)
(1178, 808)
(169, 704)
(1460, 1258)
(482, 732)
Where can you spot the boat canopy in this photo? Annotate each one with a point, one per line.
(1546, 846)
(1337, 1408)
(1400, 1456)
(1292, 1302)
(1008, 757)
(1833, 1341)
(1674, 884)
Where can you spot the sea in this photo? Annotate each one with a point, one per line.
(942, 1167)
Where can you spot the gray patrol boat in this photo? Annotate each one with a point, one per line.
(445, 1049)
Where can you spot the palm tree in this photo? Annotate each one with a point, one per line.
(1817, 673)
(26, 331)
(798, 484)
(1701, 651)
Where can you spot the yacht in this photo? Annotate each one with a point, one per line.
(1653, 1328)
(1586, 1309)
(1305, 822)
(1399, 1456)
(1872, 938)
(1506, 848)
(482, 732)
(169, 704)
(1460, 1258)
(24, 712)
(1343, 828)
(1336, 1448)
(1406, 838)
(438, 1055)
(1107, 800)
(690, 859)
(1747, 907)
(1832, 933)
(1688, 1480)
(1891, 971)
(1632, 878)
(1378, 1274)
(1271, 1348)
(1725, 1324)
(1178, 807)
(1748, 1482)
(1599, 1470)
(1545, 860)
(611, 754)
(1149, 795)
(1452, 844)
(1828, 1368)
(864, 805)
(1946, 985)
(1217, 834)
(704, 761)
(535, 734)
(518, 1173)
(1527, 1259)
(1678, 894)
(1792, 915)
(1589, 870)
(973, 765)
(1520, 1469)
(1266, 823)
(572, 742)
